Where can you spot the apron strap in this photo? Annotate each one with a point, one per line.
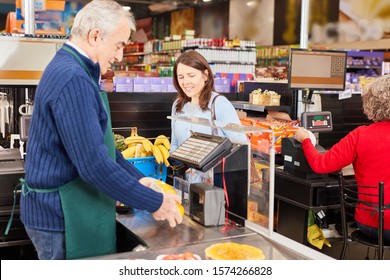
(69, 50)
(17, 187)
(25, 190)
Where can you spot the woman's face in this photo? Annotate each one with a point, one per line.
(191, 81)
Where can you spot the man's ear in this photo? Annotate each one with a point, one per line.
(93, 36)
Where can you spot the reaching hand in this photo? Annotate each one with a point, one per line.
(169, 210)
(301, 134)
(147, 181)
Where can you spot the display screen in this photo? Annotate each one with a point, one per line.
(317, 121)
(317, 69)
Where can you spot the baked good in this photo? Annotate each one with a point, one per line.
(233, 251)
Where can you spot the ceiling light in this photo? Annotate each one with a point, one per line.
(127, 8)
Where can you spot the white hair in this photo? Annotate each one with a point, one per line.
(101, 14)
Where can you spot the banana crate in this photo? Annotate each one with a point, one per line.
(149, 167)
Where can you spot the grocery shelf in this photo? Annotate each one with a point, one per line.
(244, 105)
(149, 53)
(363, 67)
(220, 48)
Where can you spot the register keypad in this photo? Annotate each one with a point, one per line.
(199, 149)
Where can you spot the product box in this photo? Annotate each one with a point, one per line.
(234, 78)
(49, 17)
(222, 85)
(123, 84)
(142, 84)
(158, 84)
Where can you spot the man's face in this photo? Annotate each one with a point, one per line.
(110, 49)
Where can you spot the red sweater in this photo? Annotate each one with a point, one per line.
(368, 149)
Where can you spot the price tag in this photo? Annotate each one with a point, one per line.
(245, 106)
(345, 94)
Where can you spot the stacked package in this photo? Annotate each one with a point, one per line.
(262, 142)
(264, 98)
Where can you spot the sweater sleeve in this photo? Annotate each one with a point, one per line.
(128, 167)
(82, 136)
(340, 155)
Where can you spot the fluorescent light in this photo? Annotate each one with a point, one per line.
(127, 8)
(207, 0)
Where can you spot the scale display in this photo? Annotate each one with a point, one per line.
(200, 150)
(317, 121)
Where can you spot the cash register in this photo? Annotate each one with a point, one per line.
(294, 160)
(205, 153)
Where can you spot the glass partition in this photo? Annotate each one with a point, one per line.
(261, 171)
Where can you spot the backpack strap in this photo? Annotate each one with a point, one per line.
(214, 130)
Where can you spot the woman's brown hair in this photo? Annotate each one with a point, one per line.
(376, 99)
(195, 60)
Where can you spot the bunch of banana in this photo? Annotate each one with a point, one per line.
(138, 146)
(163, 140)
(163, 146)
(134, 149)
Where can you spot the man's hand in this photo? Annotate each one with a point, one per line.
(147, 181)
(169, 210)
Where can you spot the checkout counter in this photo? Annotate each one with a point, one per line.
(299, 190)
(202, 228)
(157, 237)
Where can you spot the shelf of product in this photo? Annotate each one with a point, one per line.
(272, 64)
(230, 61)
(362, 68)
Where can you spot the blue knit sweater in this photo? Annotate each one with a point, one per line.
(66, 140)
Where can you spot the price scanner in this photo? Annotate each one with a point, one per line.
(294, 160)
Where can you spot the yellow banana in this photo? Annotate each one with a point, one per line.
(133, 139)
(147, 145)
(132, 144)
(157, 154)
(129, 152)
(164, 153)
(162, 139)
(165, 187)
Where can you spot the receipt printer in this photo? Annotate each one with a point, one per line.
(207, 204)
(295, 162)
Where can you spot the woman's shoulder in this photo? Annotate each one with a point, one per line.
(221, 100)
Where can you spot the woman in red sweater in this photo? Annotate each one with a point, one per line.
(366, 147)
